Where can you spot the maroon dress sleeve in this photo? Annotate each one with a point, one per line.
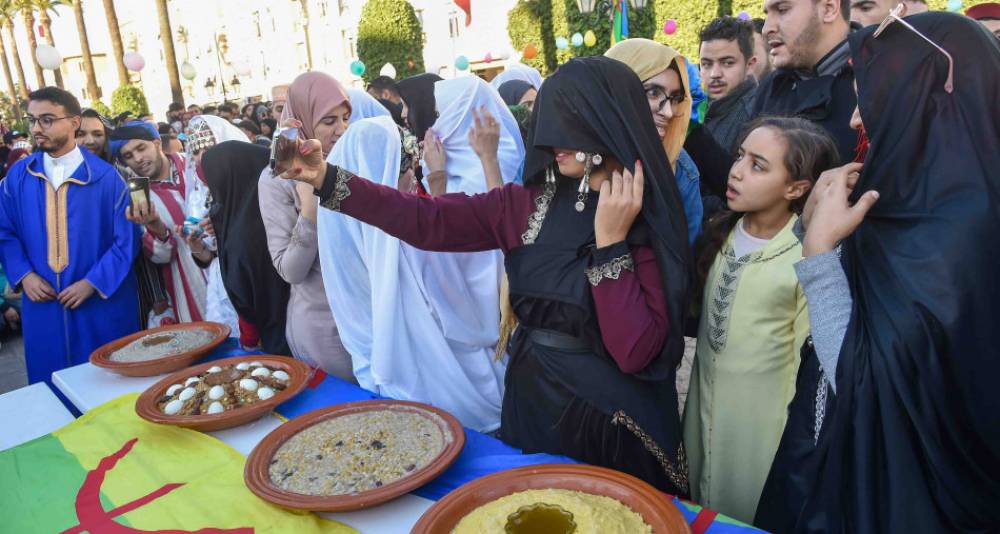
(447, 223)
(631, 304)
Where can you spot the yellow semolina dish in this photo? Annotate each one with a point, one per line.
(593, 514)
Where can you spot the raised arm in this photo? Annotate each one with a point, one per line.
(291, 237)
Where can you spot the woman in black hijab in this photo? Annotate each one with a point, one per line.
(598, 280)
(513, 93)
(258, 293)
(419, 109)
(909, 439)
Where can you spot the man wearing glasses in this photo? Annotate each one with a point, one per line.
(812, 80)
(65, 241)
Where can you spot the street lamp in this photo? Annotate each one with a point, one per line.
(235, 84)
(210, 86)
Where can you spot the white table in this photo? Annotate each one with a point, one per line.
(87, 387)
(30, 412)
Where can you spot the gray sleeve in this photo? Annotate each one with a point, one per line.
(829, 297)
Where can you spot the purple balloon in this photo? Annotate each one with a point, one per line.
(744, 16)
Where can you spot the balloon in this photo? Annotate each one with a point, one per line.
(744, 16)
(242, 68)
(530, 52)
(670, 27)
(410, 63)
(134, 61)
(48, 57)
(357, 68)
(589, 38)
(562, 43)
(462, 63)
(388, 70)
(577, 39)
(188, 71)
(488, 58)
(954, 6)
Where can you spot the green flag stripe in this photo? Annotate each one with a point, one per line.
(41, 470)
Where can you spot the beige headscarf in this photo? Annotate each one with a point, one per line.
(649, 58)
(312, 96)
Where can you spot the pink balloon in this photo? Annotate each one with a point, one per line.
(488, 58)
(134, 61)
(670, 27)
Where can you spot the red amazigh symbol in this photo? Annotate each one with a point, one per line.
(95, 520)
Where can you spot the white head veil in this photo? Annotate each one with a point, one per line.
(518, 71)
(456, 99)
(417, 324)
(364, 106)
(204, 131)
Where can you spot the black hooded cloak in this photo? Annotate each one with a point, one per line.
(418, 93)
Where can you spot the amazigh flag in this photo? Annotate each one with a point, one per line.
(110, 472)
(619, 22)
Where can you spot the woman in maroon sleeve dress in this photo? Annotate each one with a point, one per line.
(598, 265)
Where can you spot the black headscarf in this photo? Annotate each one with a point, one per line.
(513, 91)
(913, 441)
(256, 290)
(418, 93)
(597, 105)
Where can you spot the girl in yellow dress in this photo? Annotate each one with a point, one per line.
(753, 317)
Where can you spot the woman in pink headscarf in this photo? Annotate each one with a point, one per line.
(322, 109)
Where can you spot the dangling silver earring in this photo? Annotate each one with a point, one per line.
(584, 191)
(550, 176)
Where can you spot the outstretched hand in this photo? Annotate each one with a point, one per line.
(434, 155)
(851, 172)
(619, 205)
(832, 217)
(307, 165)
(484, 136)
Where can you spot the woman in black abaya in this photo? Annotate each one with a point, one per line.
(910, 439)
(258, 293)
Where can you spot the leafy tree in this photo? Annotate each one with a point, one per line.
(389, 32)
(129, 98)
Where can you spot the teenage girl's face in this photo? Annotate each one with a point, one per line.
(758, 180)
(528, 100)
(665, 94)
(91, 135)
(568, 165)
(329, 129)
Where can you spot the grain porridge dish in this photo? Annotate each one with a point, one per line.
(221, 389)
(358, 452)
(591, 514)
(161, 345)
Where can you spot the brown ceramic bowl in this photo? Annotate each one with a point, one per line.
(258, 478)
(146, 405)
(655, 508)
(168, 364)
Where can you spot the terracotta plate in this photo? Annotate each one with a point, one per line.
(654, 507)
(146, 404)
(258, 478)
(168, 364)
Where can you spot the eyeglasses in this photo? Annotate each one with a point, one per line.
(45, 120)
(895, 15)
(657, 94)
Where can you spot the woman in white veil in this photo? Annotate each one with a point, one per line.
(518, 71)
(416, 326)
(203, 132)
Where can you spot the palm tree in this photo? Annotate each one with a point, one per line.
(7, 10)
(117, 49)
(167, 38)
(88, 62)
(27, 9)
(11, 91)
(45, 7)
(305, 29)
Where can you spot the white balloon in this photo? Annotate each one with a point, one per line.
(188, 71)
(134, 61)
(388, 70)
(48, 57)
(242, 68)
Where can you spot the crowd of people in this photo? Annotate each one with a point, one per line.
(813, 201)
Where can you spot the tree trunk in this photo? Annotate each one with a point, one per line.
(88, 61)
(9, 26)
(167, 37)
(46, 23)
(305, 29)
(117, 49)
(29, 26)
(11, 90)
